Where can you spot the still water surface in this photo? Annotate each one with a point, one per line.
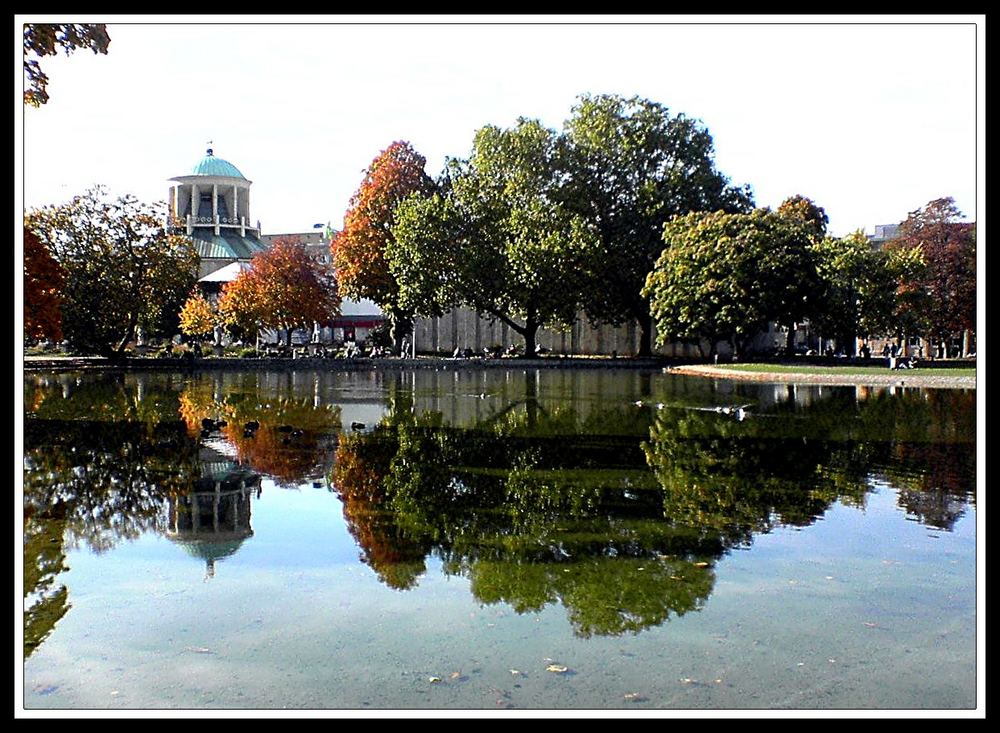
(495, 539)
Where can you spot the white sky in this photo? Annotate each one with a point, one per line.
(870, 120)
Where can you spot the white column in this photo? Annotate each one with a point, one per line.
(236, 202)
(215, 206)
(194, 199)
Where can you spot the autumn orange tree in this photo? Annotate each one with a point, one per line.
(283, 289)
(43, 284)
(197, 317)
(359, 250)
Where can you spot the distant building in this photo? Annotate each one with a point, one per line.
(316, 242)
(883, 233)
(211, 204)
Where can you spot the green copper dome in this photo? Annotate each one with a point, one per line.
(212, 166)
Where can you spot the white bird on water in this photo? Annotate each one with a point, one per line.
(739, 411)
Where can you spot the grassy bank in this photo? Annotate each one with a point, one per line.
(849, 370)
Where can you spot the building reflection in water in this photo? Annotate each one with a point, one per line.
(212, 521)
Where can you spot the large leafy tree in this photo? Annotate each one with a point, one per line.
(496, 239)
(45, 39)
(940, 298)
(123, 270)
(859, 286)
(359, 251)
(726, 276)
(43, 284)
(630, 166)
(284, 289)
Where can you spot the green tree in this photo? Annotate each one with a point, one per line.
(122, 268)
(859, 286)
(495, 240)
(805, 210)
(630, 166)
(726, 276)
(359, 251)
(45, 39)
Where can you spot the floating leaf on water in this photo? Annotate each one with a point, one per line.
(455, 675)
(801, 664)
(432, 680)
(633, 697)
(701, 564)
(832, 661)
(199, 650)
(718, 681)
(829, 577)
(557, 668)
(870, 624)
(686, 680)
(516, 672)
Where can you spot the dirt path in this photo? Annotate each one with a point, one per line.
(897, 378)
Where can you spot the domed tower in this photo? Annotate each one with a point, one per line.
(211, 204)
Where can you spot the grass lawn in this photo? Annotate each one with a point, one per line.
(849, 370)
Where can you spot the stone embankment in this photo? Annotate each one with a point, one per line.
(846, 377)
(39, 363)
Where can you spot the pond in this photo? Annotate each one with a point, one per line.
(495, 539)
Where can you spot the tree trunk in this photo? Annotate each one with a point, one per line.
(645, 334)
(790, 340)
(288, 337)
(401, 327)
(531, 399)
(530, 331)
(129, 333)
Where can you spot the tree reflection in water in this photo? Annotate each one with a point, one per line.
(295, 433)
(539, 506)
(617, 512)
(100, 459)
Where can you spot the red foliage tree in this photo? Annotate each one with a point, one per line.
(359, 250)
(941, 298)
(43, 283)
(283, 289)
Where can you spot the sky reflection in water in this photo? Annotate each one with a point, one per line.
(439, 539)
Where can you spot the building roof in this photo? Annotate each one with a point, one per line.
(227, 245)
(212, 166)
(226, 274)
